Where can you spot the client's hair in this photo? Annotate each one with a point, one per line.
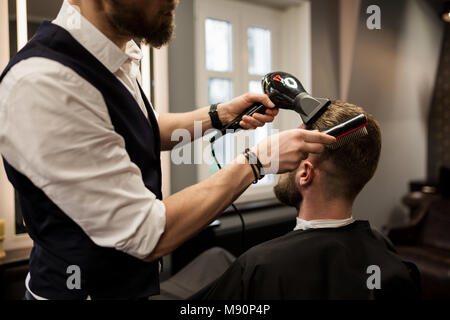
(354, 164)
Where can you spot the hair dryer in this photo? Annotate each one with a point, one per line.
(286, 92)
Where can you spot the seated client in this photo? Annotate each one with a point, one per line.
(329, 255)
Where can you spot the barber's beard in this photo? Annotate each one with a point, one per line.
(131, 21)
(286, 191)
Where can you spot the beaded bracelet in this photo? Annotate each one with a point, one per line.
(256, 165)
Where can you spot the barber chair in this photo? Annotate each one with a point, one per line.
(425, 241)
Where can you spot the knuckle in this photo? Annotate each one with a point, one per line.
(248, 96)
(259, 117)
(301, 146)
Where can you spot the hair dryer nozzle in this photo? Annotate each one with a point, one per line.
(310, 108)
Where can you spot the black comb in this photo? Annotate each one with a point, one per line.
(348, 131)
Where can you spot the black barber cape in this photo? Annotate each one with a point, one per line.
(330, 263)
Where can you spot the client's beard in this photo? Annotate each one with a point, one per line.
(286, 191)
(132, 21)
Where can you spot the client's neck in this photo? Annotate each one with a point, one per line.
(319, 208)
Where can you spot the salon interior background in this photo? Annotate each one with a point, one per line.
(391, 72)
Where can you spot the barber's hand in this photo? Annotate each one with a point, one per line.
(230, 110)
(283, 152)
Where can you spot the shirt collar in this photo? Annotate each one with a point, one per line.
(106, 51)
(325, 223)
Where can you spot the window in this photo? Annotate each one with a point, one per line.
(219, 58)
(218, 34)
(259, 51)
(236, 56)
(259, 64)
(236, 45)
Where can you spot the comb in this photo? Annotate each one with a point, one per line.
(348, 131)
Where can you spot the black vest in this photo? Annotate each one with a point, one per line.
(59, 242)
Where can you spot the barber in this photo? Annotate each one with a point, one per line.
(81, 145)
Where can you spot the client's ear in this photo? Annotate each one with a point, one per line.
(305, 174)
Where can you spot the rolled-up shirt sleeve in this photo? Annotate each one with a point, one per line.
(55, 129)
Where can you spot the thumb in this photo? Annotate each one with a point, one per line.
(267, 102)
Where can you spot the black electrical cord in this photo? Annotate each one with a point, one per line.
(232, 205)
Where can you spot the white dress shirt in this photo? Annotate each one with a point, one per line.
(322, 223)
(56, 130)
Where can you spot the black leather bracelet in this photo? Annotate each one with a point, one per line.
(254, 169)
(214, 115)
(253, 159)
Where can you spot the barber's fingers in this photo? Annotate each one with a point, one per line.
(246, 126)
(250, 123)
(272, 112)
(261, 119)
(264, 118)
(315, 137)
(308, 147)
(256, 97)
